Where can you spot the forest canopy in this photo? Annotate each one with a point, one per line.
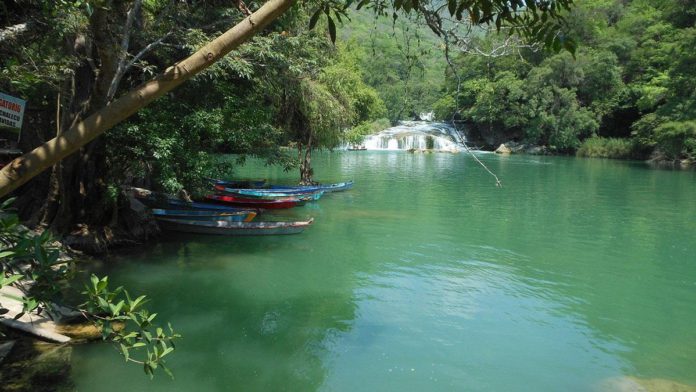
(628, 92)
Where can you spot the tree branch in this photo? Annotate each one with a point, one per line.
(125, 43)
(14, 31)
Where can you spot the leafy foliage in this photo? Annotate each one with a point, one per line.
(599, 147)
(31, 263)
(633, 76)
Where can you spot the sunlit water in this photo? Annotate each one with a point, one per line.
(427, 277)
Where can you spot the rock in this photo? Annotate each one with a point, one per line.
(35, 324)
(516, 147)
(634, 384)
(5, 348)
(536, 150)
(37, 366)
(85, 331)
(503, 149)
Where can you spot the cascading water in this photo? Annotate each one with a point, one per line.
(414, 135)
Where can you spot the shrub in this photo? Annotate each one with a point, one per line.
(601, 147)
(356, 134)
(677, 139)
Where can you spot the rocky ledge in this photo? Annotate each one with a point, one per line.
(513, 147)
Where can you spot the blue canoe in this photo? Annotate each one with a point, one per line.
(234, 228)
(165, 202)
(301, 194)
(203, 215)
(239, 183)
(338, 187)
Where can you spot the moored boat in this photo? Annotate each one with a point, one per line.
(239, 183)
(271, 194)
(262, 185)
(203, 215)
(234, 228)
(178, 204)
(163, 201)
(337, 187)
(254, 203)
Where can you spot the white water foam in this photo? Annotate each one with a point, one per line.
(414, 135)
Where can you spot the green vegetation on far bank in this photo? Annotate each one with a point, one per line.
(607, 147)
(633, 78)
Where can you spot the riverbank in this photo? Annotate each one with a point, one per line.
(620, 149)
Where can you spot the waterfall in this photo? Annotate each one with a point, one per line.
(414, 135)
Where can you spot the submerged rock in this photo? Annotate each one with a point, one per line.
(635, 384)
(37, 366)
(537, 150)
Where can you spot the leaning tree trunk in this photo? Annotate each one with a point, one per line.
(34, 162)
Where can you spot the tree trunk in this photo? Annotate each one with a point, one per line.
(306, 171)
(34, 162)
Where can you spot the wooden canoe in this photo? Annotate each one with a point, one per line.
(233, 228)
(270, 194)
(203, 215)
(337, 187)
(253, 203)
(239, 183)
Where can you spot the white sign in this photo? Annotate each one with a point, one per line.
(11, 111)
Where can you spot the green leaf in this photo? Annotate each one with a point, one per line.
(314, 19)
(332, 29)
(5, 281)
(137, 302)
(169, 372)
(5, 204)
(124, 351)
(166, 351)
(452, 6)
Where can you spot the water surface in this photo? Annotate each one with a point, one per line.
(426, 276)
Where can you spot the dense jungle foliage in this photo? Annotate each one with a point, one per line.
(629, 91)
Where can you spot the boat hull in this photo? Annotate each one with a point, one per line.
(234, 228)
(202, 215)
(239, 183)
(153, 200)
(269, 194)
(337, 187)
(253, 203)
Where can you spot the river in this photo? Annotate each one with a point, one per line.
(574, 275)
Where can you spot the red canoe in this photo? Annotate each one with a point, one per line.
(253, 203)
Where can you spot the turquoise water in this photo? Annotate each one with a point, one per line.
(426, 276)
